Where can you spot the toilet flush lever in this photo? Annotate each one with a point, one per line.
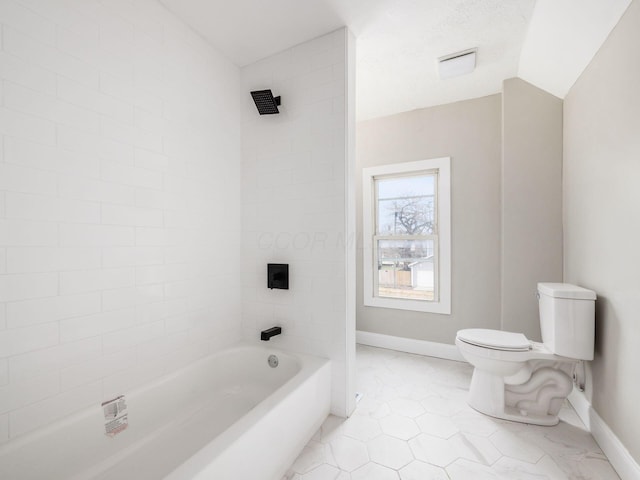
(538, 295)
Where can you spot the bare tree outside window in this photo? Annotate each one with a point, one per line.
(413, 215)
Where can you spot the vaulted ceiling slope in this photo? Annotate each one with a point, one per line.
(563, 37)
(545, 42)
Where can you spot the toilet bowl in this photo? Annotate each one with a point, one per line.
(507, 380)
(524, 381)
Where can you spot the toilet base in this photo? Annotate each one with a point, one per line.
(487, 396)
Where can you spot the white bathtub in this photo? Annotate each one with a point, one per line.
(229, 416)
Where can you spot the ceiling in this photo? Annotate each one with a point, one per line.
(546, 42)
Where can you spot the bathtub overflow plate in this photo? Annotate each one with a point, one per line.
(273, 361)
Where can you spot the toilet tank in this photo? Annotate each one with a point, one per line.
(567, 319)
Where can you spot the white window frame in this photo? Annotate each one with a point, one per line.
(443, 242)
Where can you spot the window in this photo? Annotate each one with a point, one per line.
(407, 236)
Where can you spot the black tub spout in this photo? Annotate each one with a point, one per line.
(265, 335)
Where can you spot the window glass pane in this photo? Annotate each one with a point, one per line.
(406, 269)
(406, 205)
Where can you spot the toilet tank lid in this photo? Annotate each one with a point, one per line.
(566, 290)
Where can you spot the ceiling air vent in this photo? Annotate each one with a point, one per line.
(459, 63)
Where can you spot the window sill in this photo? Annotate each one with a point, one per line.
(413, 305)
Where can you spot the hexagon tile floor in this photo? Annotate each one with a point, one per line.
(413, 423)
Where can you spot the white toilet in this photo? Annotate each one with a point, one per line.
(524, 381)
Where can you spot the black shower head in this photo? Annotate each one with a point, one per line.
(266, 103)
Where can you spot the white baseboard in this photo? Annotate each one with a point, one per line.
(409, 345)
(613, 448)
(581, 405)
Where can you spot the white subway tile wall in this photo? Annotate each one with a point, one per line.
(294, 178)
(120, 204)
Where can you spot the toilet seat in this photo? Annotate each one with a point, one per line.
(495, 339)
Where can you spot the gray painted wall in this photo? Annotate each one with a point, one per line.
(506, 172)
(468, 132)
(531, 201)
(602, 218)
